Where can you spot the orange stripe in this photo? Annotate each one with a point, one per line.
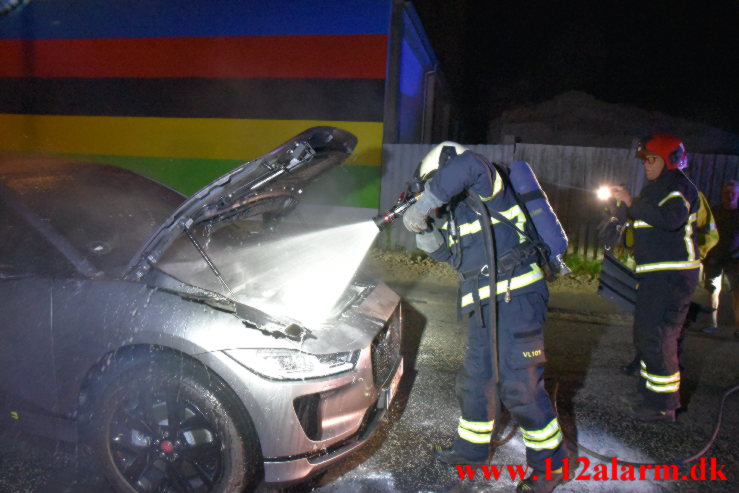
(314, 56)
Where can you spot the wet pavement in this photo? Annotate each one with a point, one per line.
(587, 340)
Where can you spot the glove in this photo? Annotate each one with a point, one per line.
(609, 232)
(429, 241)
(414, 218)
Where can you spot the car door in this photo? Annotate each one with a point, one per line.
(29, 266)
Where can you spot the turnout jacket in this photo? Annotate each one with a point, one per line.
(461, 228)
(663, 218)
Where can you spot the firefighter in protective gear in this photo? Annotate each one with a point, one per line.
(665, 248)
(453, 174)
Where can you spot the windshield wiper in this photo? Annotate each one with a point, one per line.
(208, 261)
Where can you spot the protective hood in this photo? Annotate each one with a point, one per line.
(269, 184)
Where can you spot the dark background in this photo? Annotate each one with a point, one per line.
(680, 58)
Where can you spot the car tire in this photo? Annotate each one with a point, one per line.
(212, 447)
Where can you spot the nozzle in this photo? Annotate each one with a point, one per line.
(384, 220)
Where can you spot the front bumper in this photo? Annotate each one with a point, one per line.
(291, 469)
(305, 425)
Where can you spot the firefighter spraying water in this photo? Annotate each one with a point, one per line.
(496, 228)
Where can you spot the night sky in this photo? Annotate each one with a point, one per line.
(680, 58)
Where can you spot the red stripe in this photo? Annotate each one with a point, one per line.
(336, 56)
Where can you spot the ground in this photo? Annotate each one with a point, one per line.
(587, 340)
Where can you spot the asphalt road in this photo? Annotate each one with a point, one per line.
(587, 341)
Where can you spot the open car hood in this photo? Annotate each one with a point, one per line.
(268, 184)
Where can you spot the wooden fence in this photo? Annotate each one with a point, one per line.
(569, 175)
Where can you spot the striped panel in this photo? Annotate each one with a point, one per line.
(281, 99)
(337, 56)
(184, 92)
(77, 19)
(202, 138)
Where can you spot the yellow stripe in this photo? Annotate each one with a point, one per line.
(469, 228)
(203, 138)
(477, 426)
(514, 214)
(501, 287)
(673, 195)
(668, 266)
(473, 437)
(689, 240)
(497, 186)
(663, 389)
(543, 433)
(656, 379)
(548, 444)
(660, 379)
(662, 384)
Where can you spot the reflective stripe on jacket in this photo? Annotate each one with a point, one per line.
(664, 218)
(464, 245)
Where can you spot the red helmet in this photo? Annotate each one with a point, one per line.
(669, 148)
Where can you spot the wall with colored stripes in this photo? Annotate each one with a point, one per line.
(184, 91)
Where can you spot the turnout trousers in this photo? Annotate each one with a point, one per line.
(521, 383)
(662, 302)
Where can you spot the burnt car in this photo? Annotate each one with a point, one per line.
(130, 323)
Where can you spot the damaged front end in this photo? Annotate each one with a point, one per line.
(315, 386)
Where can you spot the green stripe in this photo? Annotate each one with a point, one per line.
(184, 175)
(353, 186)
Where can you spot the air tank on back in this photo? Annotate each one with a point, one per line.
(542, 215)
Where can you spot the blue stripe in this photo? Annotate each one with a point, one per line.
(90, 19)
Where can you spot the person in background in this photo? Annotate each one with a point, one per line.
(667, 267)
(463, 183)
(707, 237)
(723, 259)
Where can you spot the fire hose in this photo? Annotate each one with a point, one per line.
(605, 458)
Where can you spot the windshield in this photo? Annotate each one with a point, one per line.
(96, 215)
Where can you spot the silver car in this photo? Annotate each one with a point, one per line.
(131, 323)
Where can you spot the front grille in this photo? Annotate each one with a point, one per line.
(386, 349)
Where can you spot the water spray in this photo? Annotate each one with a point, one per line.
(302, 277)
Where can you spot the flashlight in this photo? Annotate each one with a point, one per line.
(603, 192)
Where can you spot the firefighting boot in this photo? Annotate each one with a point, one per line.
(652, 415)
(448, 455)
(538, 482)
(632, 367)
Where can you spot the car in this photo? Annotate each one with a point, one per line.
(131, 324)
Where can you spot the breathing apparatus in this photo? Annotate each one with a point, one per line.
(535, 205)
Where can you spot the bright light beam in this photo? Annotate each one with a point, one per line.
(603, 192)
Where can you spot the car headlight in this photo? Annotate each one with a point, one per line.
(290, 364)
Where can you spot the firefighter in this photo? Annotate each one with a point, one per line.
(454, 175)
(665, 248)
